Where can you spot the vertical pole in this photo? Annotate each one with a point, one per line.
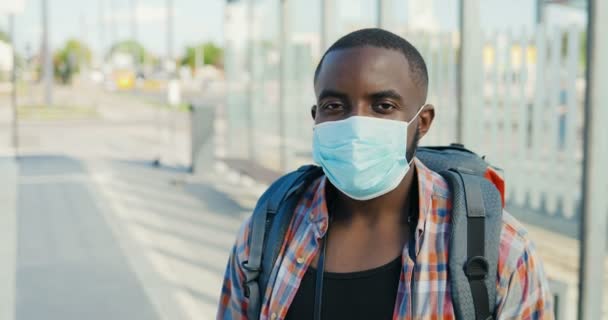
(379, 21)
(283, 45)
(469, 73)
(134, 20)
(47, 53)
(539, 11)
(170, 31)
(113, 21)
(76, 61)
(83, 27)
(173, 85)
(102, 31)
(249, 104)
(15, 135)
(135, 36)
(382, 14)
(326, 8)
(594, 219)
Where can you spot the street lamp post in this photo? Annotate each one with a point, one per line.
(113, 21)
(134, 20)
(15, 128)
(46, 52)
(173, 90)
(102, 31)
(170, 31)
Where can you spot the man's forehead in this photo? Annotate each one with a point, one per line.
(368, 66)
(365, 56)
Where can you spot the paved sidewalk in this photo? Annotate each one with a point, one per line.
(117, 240)
(69, 264)
(176, 233)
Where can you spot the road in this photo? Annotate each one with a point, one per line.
(98, 232)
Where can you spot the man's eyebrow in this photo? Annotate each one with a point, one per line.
(325, 93)
(392, 94)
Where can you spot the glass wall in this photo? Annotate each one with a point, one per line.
(265, 83)
(351, 16)
(432, 27)
(235, 115)
(258, 104)
(302, 54)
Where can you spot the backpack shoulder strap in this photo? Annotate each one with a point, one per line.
(474, 242)
(269, 223)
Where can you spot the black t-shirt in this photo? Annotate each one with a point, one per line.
(364, 295)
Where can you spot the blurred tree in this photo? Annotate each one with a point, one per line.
(136, 49)
(68, 60)
(4, 36)
(213, 55)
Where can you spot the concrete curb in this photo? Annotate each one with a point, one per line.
(8, 236)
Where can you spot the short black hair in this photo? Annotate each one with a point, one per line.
(380, 38)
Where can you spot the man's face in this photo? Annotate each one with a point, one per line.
(371, 82)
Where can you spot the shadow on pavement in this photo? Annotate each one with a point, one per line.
(216, 201)
(183, 231)
(43, 165)
(69, 263)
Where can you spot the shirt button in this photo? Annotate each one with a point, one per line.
(273, 316)
(300, 260)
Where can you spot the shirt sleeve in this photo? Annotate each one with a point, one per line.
(233, 303)
(523, 290)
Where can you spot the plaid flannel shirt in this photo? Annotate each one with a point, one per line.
(522, 289)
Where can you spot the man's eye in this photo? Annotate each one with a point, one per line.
(332, 106)
(384, 107)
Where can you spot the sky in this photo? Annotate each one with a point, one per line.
(195, 21)
(198, 21)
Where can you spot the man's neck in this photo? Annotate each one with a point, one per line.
(391, 208)
(366, 234)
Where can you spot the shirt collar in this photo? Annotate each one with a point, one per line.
(425, 193)
(319, 213)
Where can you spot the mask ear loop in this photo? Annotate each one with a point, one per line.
(417, 113)
(409, 164)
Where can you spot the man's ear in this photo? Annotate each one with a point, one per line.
(425, 119)
(313, 112)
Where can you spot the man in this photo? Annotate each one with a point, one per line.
(371, 112)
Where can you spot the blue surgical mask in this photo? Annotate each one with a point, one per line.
(363, 157)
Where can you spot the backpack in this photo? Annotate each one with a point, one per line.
(477, 203)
